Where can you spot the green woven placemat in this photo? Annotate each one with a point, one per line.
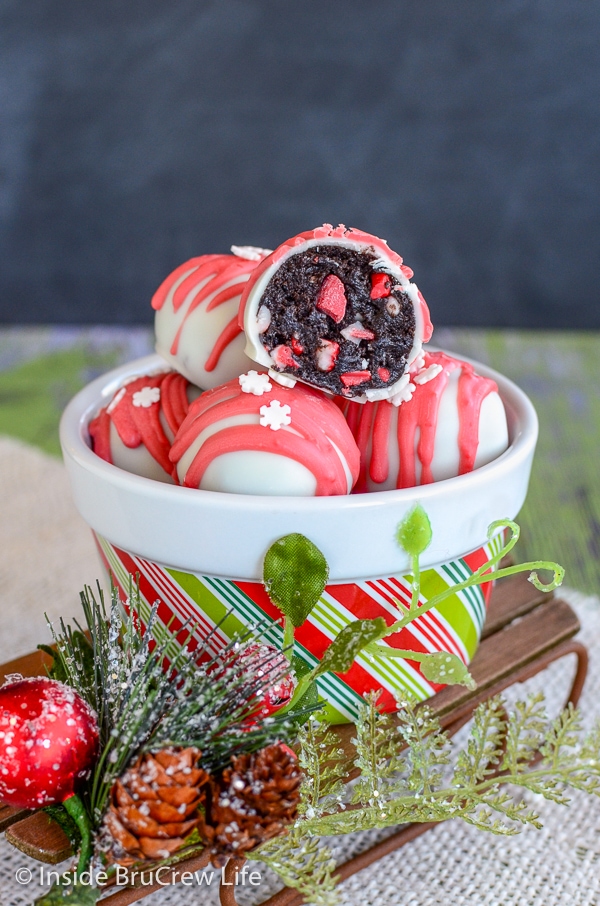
(561, 374)
(42, 368)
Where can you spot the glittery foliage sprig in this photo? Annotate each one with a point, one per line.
(409, 771)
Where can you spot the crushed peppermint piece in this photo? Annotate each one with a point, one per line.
(275, 416)
(356, 332)
(297, 346)
(255, 383)
(332, 298)
(326, 354)
(250, 252)
(146, 397)
(352, 378)
(283, 358)
(381, 286)
(263, 319)
(428, 374)
(383, 374)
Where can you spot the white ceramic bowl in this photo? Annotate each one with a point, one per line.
(228, 534)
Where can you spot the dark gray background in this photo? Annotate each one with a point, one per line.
(137, 134)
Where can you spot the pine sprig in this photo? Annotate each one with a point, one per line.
(149, 694)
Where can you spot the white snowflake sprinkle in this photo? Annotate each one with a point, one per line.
(275, 416)
(146, 397)
(428, 374)
(403, 394)
(255, 383)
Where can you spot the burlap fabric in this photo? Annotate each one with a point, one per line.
(46, 555)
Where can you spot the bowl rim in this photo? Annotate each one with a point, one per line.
(74, 438)
(212, 533)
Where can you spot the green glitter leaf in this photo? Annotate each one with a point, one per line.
(414, 532)
(346, 646)
(295, 574)
(446, 668)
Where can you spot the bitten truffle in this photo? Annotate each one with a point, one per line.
(335, 308)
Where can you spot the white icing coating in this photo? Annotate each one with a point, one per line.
(250, 252)
(253, 472)
(199, 333)
(286, 380)
(136, 460)
(220, 425)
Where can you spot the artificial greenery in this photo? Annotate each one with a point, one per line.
(295, 573)
(414, 535)
(408, 771)
(70, 892)
(141, 705)
(150, 691)
(339, 656)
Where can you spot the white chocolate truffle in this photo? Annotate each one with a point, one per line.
(451, 422)
(336, 309)
(252, 436)
(135, 431)
(196, 321)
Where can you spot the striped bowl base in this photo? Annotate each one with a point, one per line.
(455, 626)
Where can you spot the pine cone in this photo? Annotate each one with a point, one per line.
(154, 806)
(254, 801)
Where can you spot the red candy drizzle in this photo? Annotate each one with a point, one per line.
(371, 424)
(332, 298)
(142, 424)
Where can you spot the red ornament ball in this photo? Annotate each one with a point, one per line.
(263, 661)
(48, 741)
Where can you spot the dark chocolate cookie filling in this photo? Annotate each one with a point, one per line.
(316, 322)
